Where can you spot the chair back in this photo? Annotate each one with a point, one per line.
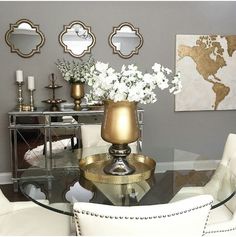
(228, 184)
(223, 182)
(229, 149)
(183, 218)
(91, 136)
(92, 142)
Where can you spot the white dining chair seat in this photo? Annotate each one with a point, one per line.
(29, 219)
(34, 221)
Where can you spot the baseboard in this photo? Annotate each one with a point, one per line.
(6, 178)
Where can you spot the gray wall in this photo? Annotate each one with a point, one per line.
(159, 22)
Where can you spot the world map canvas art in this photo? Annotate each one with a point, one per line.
(207, 64)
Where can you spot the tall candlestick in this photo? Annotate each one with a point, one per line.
(19, 76)
(32, 108)
(20, 96)
(31, 84)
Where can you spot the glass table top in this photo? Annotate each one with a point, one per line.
(60, 185)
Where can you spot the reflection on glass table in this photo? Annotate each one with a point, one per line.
(63, 185)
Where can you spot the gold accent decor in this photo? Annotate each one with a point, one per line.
(82, 40)
(125, 40)
(53, 102)
(20, 98)
(32, 107)
(119, 127)
(215, 74)
(120, 124)
(92, 168)
(207, 67)
(26, 107)
(77, 93)
(231, 42)
(24, 38)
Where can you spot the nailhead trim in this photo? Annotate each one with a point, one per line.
(77, 225)
(149, 217)
(215, 231)
(203, 232)
(141, 218)
(220, 231)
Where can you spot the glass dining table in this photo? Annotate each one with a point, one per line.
(59, 187)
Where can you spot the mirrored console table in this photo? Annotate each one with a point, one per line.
(45, 135)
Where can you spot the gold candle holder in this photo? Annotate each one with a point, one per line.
(32, 108)
(20, 96)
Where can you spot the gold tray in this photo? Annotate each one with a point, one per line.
(92, 169)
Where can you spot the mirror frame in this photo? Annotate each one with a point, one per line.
(15, 50)
(136, 50)
(66, 50)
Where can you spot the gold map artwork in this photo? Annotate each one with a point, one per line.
(207, 64)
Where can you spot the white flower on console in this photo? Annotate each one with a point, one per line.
(75, 71)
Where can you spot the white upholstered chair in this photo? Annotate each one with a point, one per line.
(182, 219)
(222, 220)
(28, 219)
(91, 136)
(93, 143)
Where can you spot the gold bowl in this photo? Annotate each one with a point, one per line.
(92, 168)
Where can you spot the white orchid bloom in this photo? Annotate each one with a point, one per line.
(101, 67)
(156, 67)
(132, 67)
(123, 68)
(130, 84)
(168, 71)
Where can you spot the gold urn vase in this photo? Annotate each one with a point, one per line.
(119, 127)
(77, 93)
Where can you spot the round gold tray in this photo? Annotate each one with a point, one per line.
(92, 169)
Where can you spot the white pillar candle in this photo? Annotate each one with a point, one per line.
(19, 76)
(31, 84)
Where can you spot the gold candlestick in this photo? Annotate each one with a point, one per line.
(32, 108)
(20, 96)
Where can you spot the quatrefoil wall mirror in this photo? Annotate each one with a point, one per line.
(77, 39)
(125, 40)
(24, 38)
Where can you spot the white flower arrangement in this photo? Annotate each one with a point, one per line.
(130, 84)
(74, 72)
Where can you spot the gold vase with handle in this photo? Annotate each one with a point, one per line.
(77, 93)
(120, 127)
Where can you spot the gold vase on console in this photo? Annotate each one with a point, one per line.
(120, 127)
(77, 93)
